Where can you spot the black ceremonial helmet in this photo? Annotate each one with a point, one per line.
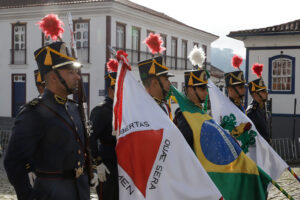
(53, 57)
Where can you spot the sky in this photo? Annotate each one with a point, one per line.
(219, 17)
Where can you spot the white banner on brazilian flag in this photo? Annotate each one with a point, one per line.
(154, 160)
(260, 151)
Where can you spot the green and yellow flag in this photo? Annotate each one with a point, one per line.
(235, 174)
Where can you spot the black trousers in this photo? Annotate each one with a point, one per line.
(109, 190)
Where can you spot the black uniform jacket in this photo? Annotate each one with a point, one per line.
(49, 134)
(259, 118)
(184, 127)
(101, 117)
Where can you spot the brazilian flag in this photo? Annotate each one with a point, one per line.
(235, 174)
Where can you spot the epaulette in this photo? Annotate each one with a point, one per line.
(30, 105)
(33, 102)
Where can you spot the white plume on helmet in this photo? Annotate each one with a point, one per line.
(197, 56)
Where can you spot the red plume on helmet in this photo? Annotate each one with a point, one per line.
(154, 42)
(257, 69)
(112, 65)
(121, 54)
(51, 25)
(236, 61)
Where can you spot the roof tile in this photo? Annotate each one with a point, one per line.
(286, 28)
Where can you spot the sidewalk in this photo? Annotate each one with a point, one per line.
(287, 181)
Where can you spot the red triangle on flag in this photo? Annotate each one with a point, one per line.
(136, 153)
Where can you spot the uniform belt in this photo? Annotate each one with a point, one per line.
(65, 174)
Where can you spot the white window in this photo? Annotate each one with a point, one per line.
(281, 74)
(184, 54)
(174, 53)
(19, 44)
(120, 40)
(82, 40)
(135, 56)
(19, 37)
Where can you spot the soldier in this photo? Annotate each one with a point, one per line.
(195, 88)
(256, 111)
(39, 82)
(49, 131)
(105, 154)
(235, 85)
(155, 77)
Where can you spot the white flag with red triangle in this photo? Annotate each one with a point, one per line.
(154, 160)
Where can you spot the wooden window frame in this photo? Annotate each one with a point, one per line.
(139, 40)
(124, 26)
(186, 53)
(270, 78)
(176, 52)
(165, 45)
(13, 41)
(75, 21)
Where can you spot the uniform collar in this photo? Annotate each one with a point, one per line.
(50, 95)
(159, 101)
(236, 102)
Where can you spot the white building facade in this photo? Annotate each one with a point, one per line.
(278, 49)
(98, 25)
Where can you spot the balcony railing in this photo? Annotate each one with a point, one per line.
(83, 54)
(176, 63)
(18, 56)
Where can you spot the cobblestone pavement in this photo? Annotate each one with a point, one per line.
(287, 181)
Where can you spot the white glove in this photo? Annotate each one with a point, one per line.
(94, 182)
(32, 177)
(102, 170)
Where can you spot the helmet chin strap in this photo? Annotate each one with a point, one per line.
(237, 92)
(197, 95)
(263, 100)
(70, 91)
(164, 92)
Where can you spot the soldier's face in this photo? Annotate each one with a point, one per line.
(70, 75)
(165, 82)
(233, 94)
(264, 95)
(201, 92)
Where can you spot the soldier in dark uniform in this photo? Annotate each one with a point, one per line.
(39, 82)
(50, 132)
(235, 85)
(256, 111)
(104, 153)
(195, 87)
(155, 77)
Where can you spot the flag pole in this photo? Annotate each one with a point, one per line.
(293, 173)
(275, 183)
(282, 190)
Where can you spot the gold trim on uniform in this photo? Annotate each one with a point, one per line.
(59, 99)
